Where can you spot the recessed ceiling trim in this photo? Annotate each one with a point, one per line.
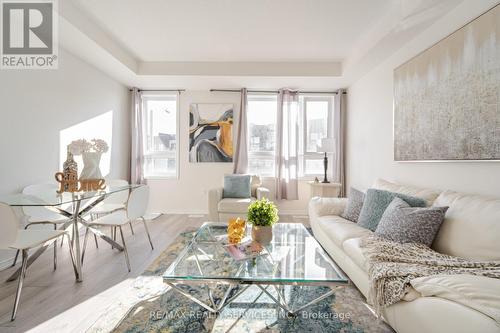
(314, 69)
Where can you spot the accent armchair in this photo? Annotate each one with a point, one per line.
(220, 209)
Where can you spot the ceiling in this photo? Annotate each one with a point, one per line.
(236, 30)
(156, 42)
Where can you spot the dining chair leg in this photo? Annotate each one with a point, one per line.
(72, 255)
(147, 232)
(20, 283)
(55, 250)
(15, 258)
(17, 252)
(125, 248)
(131, 229)
(95, 239)
(85, 243)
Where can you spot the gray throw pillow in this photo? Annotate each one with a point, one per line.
(376, 201)
(237, 186)
(354, 205)
(404, 224)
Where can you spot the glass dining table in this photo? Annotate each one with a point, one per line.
(74, 207)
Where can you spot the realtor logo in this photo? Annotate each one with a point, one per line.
(29, 34)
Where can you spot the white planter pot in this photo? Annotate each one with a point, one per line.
(262, 234)
(91, 161)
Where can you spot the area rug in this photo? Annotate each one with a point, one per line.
(151, 306)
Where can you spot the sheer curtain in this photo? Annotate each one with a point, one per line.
(339, 119)
(137, 147)
(287, 145)
(240, 164)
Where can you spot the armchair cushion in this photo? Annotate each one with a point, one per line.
(237, 186)
(234, 205)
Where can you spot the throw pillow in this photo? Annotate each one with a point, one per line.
(237, 186)
(376, 201)
(405, 224)
(354, 205)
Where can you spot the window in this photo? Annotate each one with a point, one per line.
(261, 120)
(316, 116)
(160, 128)
(315, 124)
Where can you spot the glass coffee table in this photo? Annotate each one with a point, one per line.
(293, 258)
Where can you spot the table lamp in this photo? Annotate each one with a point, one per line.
(327, 146)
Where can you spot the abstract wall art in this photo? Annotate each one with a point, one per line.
(447, 99)
(210, 133)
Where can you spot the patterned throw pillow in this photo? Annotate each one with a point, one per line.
(404, 224)
(376, 201)
(354, 205)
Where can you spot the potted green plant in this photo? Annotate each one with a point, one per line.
(262, 215)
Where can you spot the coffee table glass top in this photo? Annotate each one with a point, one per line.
(293, 257)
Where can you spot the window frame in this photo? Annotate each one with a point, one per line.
(304, 154)
(152, 96)
(261, 97)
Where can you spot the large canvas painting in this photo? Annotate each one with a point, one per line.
(447, 99)
(211, 133)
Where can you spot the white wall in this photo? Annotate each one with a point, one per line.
(37, 105)
(369, 128)
(188, 194)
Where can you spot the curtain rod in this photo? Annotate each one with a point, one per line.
(166, 90)
(275, 91)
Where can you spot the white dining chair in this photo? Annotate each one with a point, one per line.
(135, 209)
(112, 203)
(24, 240)
(38, 215)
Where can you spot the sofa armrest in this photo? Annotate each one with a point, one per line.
(326, 206)
(214, 196)
(263, 192)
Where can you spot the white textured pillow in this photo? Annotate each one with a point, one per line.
(477, 292)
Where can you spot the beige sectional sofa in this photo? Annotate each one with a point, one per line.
(451, 303)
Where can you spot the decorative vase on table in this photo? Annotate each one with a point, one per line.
(91, 161)
(262, 215)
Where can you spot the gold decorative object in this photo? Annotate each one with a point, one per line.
(236, 230)
(92, 184)
(68, 181)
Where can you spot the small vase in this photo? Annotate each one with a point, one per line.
(91, 161)
(262, 234)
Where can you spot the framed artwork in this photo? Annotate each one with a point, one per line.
(447, 99)
(210, 133)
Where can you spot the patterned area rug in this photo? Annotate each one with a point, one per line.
(150, 306)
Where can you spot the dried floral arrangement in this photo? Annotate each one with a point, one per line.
(81, 146)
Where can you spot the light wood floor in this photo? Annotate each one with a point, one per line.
(52, 301)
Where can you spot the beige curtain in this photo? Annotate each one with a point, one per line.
(339, 124)
(240, 157)
(287, 145)
(137, 147)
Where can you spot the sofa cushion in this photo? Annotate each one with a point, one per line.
(477, 292)
(235, 205)
(404, 224)
(428, 195)
(340, 229)
(471, 228)
(237, 186)
(354, 205)
(376, 201)
(353, 250)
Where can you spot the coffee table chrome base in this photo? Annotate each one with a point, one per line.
(217, 308)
